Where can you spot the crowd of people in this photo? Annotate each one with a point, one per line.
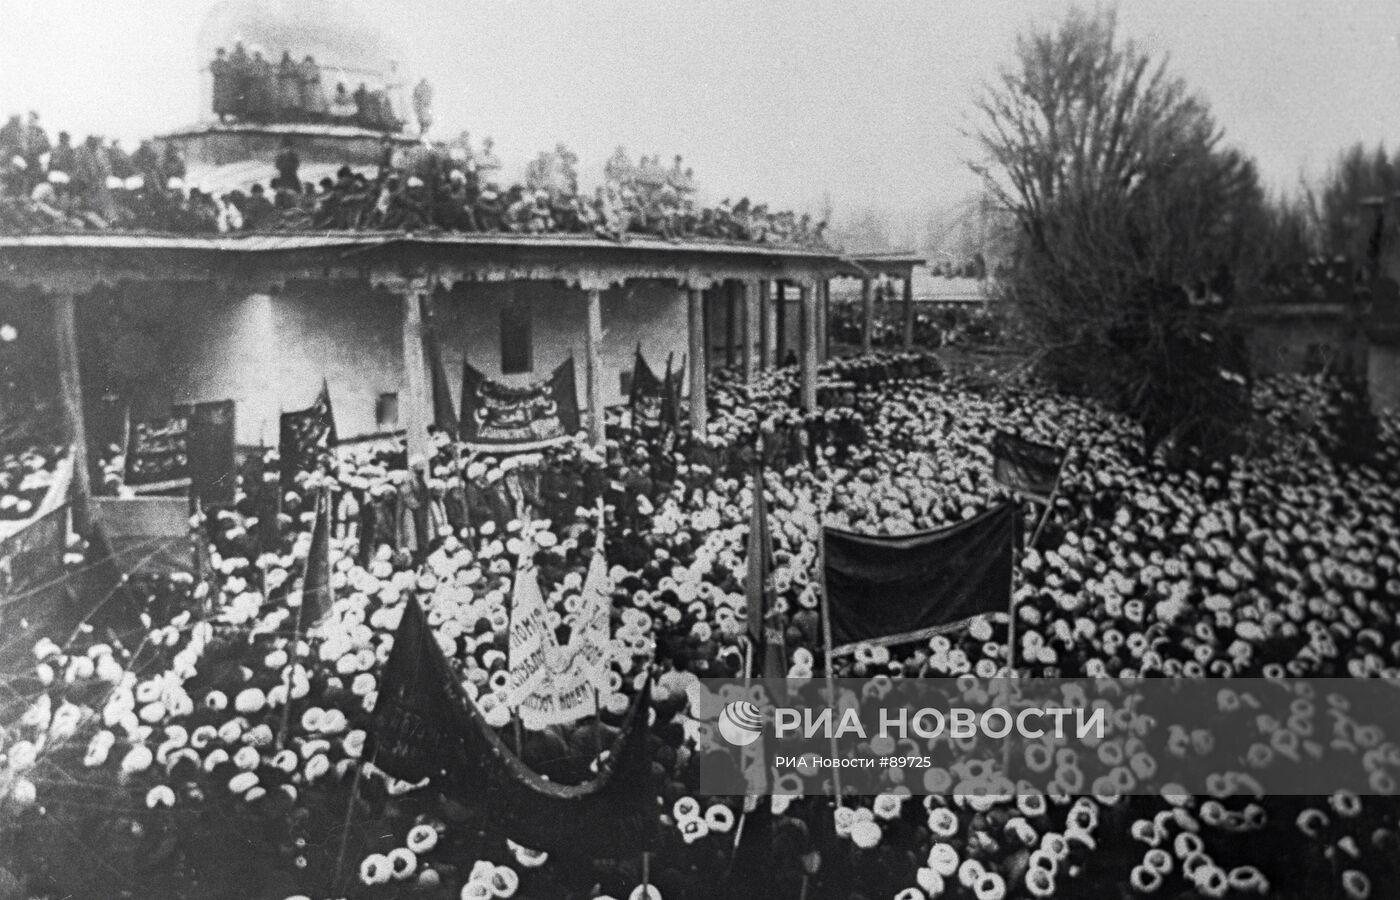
(248, 87)
(447, 186)
(161, 752)
(932, 327)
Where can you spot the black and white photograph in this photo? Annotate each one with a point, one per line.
(680, 450)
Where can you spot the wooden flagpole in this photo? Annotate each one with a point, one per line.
(743, 810)
(1011, 613)
(826, 633)
(287, 678)
(597, 706)
(321, 497)
(349, 816)
(1049, 502)
(1011, 670)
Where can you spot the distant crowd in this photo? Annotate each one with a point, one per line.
(48, 186)
(250, 87)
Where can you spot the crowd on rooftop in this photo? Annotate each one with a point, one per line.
(48, 186)
(248, 87)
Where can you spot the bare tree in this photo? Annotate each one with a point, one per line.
(1127, 203)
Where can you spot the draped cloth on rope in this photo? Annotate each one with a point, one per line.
(502, 419)
(425, 726)
(1026, 466)
(892, 589)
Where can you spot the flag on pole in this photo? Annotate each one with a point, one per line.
(532, 641)
(209, 442)
(1025, 466)
(415, 729)
(884, 589)
(590, 638)
(765, 624)
(647, 394)
(578, 672)
(306, 437)
(671, 396)
(316, 594)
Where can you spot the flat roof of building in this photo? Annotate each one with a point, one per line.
(254, 242)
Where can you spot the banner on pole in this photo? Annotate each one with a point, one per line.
(209, 448)
(504, 419)
(648, 393)
(1025, 466)
(532, 641)
(157, 454)
(306, 437)
(415, 729)
(578, 672)
(885, 589)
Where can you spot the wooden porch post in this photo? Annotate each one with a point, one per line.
(807, 294)
(731, 321)
(780, 344)
(596, 420)
(909, 309)
(824, 320)
(416, 405)
(867, 314)
(699, 409)
(751, 328)
(71, 397)
(766, 327)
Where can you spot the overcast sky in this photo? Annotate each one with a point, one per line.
(783, 101)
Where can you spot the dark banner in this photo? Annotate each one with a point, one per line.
(895, 589)
(415, 727)
(1026, 466)
(648, 394)
(306, 437)
(209, 446)
(501, 418)
(157, 453)
(424, 725)
(317, 595)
